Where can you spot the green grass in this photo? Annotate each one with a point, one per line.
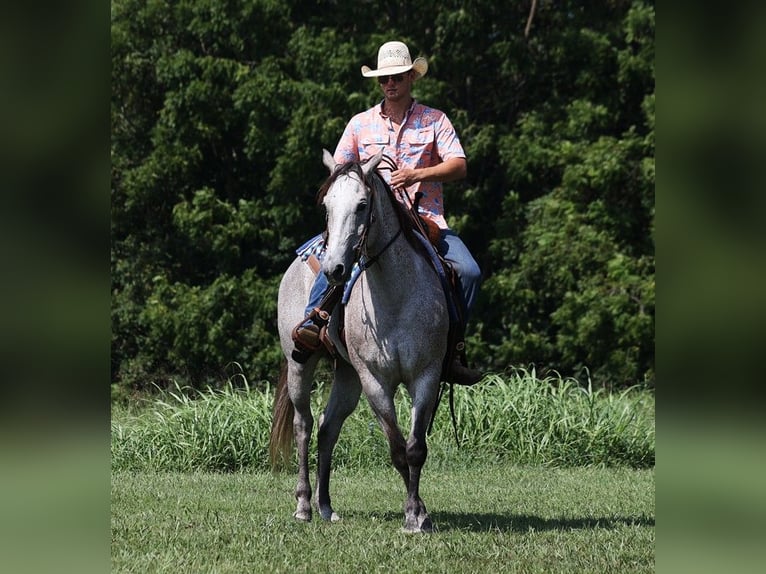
(490, 518)
(517, 418)
(550, 476)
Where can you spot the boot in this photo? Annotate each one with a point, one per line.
(307, 340)
(307, 335)
(459, 374)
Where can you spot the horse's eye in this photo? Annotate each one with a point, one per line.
(361, 207)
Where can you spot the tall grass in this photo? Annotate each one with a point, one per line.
(185, 430)
(556, 421)
(516, 417)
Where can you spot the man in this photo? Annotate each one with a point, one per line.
(426, 149)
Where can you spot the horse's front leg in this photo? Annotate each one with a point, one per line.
(303, 424)
(381, 399)
(344, 398)
(382, 403)
(416, 518)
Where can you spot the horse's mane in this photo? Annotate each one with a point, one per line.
(402, 213)
(339, 170)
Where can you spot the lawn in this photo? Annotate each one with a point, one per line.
(489, 518)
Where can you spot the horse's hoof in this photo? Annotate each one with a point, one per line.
(424, 526)
(302, 515)
(329, 515)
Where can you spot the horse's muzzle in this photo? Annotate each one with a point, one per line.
(337, 274)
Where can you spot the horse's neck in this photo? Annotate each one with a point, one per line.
(386, 224)
(387, 242)
(399, 287)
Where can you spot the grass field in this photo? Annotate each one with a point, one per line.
(551, 476)
(492, 518)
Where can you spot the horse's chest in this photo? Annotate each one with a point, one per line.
(395, 341)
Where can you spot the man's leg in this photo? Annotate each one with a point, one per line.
(306, 335)
(317, 292)
(454, 251)
(452, 248)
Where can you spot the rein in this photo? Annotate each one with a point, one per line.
(362, 243)
(371, 261)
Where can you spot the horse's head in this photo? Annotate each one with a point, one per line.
(347, 199)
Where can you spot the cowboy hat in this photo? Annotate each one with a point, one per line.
(394, 58)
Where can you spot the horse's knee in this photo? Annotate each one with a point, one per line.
(398, 454)
(417, 451)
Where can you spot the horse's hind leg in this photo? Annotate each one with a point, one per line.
(344, 398)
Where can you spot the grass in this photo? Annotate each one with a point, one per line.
(550, 476)
(490, 518)
(518, 418)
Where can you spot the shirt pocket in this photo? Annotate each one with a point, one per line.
(372, 144)
(420, 145)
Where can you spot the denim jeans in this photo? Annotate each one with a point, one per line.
(317, 292)
(454, 251)
(452, 248)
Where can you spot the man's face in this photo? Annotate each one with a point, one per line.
(397, 86)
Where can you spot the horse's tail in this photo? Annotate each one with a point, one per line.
(281, 438)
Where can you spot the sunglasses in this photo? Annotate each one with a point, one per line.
(396, 78)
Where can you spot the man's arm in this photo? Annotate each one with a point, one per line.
(453, 169)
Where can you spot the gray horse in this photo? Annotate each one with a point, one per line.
(395, 325)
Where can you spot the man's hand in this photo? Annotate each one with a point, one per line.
(403, 177)
(450, 170)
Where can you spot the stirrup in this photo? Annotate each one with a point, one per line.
(307, 335)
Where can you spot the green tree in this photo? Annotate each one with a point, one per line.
(220, 110)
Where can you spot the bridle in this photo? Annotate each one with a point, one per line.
(361, 247)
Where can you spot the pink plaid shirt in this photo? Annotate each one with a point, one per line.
(425, 138)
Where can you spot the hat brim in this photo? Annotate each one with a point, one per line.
(420, 66)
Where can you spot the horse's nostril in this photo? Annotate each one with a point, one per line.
(337, 273)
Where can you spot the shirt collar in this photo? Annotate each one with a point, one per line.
(407, 113)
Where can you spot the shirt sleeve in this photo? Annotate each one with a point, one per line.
(347, 149)
(447, 143)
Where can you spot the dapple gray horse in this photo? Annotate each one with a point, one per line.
(396, 326)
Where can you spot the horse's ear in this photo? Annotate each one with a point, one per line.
(372, 163)
(328, 160)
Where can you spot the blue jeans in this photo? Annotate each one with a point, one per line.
(317, 292)
(452, 248)
(454, 251)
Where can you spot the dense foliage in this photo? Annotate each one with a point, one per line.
(220, 110)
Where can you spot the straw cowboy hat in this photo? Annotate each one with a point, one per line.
(394, 58)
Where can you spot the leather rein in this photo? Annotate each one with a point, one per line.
(361, 245)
